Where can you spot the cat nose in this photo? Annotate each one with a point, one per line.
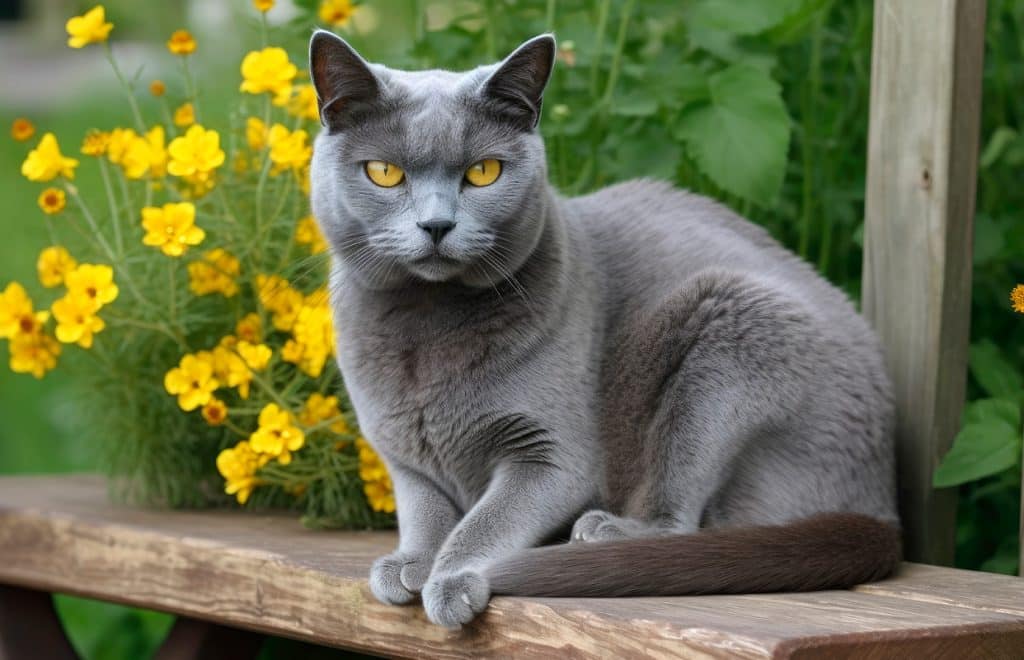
(437, 228)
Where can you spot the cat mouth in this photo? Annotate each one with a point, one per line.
(436, 258)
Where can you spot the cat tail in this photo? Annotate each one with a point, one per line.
(825, 551)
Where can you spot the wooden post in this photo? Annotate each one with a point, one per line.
(922, 164)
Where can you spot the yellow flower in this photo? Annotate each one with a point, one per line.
(215, 273)
(288, 149)
(230, 369)
(263, 5)
(119, 142)
(292, 351)
(16, 313)
(52, 201)
(22, 129)
(267, 70)
(255, 133)
(277, 434)
(157, 88)
(138, 155)
(76, 319)
(53, 265)
(192, 381)
(255, 356)
(337, 12)
(215, 412)
(34, 352)
(238, 466)
(1017, 298)
(303, 103)
(95, 143)
(181, 43)
(314, 335)
(185, 115)
(319, 408)
(195, 154)
(46, 162)
(134, 159)
(308, 233)
(89, 28)
(250, 328)
(94, 282)
(279, 298)
(157, 152)
(171, 228)
(377, 484)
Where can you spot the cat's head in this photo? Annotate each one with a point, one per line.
(429, 175)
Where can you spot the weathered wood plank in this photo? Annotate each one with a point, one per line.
(922, 164)
(973, 589)
(266, 573)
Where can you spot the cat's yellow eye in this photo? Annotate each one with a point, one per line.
(484, 173)
(385, 175)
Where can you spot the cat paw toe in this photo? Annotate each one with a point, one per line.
(393, 578)
(455, 599)
(597, 526)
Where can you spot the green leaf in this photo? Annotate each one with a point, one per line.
(980, 450)
(728, 47)
(984, 410)
(687, 84)
(993, 372)
(988, 239)
(739, 16)
(650, 152)
(634, 106)
(1001, 138)
(740, 137)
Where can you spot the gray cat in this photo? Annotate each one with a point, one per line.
(639, 367)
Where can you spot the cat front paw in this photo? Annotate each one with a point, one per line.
(454, 599)
(395, 579)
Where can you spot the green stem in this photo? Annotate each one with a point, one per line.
(620, 43)
(595, 67)
(155, 327)
(112, 201)
(73, 191)
(190, 87)
(126, 86)
(549, 16)
(268, 387)
(492, 49)
(235, 428)
(808, 109)
(172, 292)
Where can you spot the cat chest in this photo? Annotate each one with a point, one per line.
(426, 409)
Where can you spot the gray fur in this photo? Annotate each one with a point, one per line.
(641, 352)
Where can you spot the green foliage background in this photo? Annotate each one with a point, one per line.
(761, 104)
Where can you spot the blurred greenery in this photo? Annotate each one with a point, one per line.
(762, 105)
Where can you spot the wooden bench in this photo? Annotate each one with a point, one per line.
(266, 573)
(225, 573)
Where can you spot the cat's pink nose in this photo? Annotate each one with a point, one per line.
(437, 228)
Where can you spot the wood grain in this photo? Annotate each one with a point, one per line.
(922, 165)
(268, 574)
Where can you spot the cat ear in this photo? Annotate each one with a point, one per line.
(345, 87)
(516, 89)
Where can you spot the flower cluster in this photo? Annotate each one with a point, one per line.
(212, 280)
